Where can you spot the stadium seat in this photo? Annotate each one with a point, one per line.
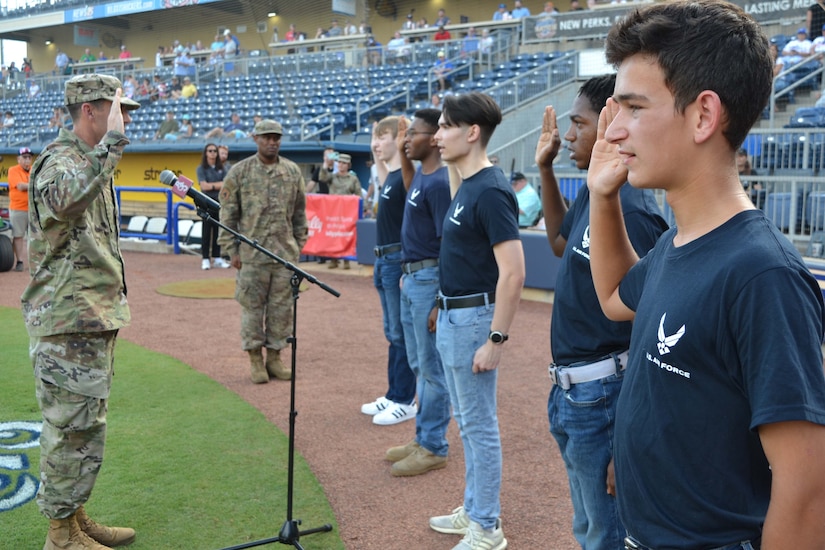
(778, 209)
(156, 226)
(184, 227)
(137, 224)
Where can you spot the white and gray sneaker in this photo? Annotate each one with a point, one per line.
(395, 414)
(220, 262)
(205, 264)
(376, 406)
(477, 538)
(455, 523)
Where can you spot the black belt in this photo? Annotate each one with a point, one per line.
(632, 544)
(412, 267)
(386, 249)
(444, 302)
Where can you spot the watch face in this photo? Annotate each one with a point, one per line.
(497, 337)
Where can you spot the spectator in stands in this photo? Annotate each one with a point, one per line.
(501, 14)
(14, 76)
(470, 44)
(59, 119)
(125, 54)
(442, 20)
(486, 43)
(211, 174)
(189, 90)
(814, 18)
(130, 86)
(144, 91)
(101, 56)
(169, 127)
(520, 11)
(529, 204)
(234, 129)
(175, 88)
(34, 89)
(217, 46)
(256, 118)
(442, 34)
(350, 29)
(27, 69)
(160, 89)
(549, 10)
(334, 30)
(753, 188)
(321, 33)
(422, 23)
(184, 64)
(8, 120)
(343, 182)
(398, 50)
(797, 49)
(441, 67)
(435, 102)
(292, 34)
(87, 56)
(818, 44)
(575, 5)
(230, 51)
(223, 153)
(363, 28)
(187, 129)
(374, 49)
(19, 204)
(409, 24)
(61, 63)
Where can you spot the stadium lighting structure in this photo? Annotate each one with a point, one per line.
(272, 14)
(48, 41)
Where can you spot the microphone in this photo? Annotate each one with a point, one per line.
(182, 187)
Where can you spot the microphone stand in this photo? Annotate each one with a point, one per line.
(289, 533)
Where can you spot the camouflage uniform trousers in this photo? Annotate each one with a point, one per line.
(265, 296)
(73, 375)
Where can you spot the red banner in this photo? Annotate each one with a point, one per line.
(331, 220)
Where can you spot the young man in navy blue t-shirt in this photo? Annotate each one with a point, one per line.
(428, 197)
(720, 426)
(589, 350)
(481, 275)
(398, 404)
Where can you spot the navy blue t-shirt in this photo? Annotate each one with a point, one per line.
(726, 338)
(390, 210)
(427, 202)
(484, 212)
(579, 330)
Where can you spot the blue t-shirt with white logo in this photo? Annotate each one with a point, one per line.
(427, 201)
(390, 210)
(726, 338)
(579, 331)
(484, 212)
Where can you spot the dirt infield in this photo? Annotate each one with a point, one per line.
(342, 364)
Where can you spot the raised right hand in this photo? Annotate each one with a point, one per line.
(549, 142)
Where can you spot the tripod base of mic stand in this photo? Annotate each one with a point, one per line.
(289, 534)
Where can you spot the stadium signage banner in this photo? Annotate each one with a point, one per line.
(126, 7)
(597, 22)
(331, 220)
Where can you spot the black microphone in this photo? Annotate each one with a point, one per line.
(180, 188)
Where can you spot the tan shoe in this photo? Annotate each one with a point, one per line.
(65, 534)
(394, 454)
(346, 264)
(275, 367)
(333, 264)
(256, 363)
(110, 536)
(419, 462)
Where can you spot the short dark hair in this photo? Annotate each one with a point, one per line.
(473, 108)
(702, 45)
(597, 90)
(429, 117)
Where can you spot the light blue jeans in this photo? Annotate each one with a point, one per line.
(386, 277)
(459, 334)
(418, 292)
(581, 421)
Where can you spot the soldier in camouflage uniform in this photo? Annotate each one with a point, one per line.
(344, 182)
(264, 198)
(75, 304)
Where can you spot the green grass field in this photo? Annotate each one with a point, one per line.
(188, 464)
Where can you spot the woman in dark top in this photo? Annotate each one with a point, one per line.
(210, 177)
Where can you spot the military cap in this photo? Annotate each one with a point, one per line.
(267, 127)
(343, 157)
(90, 87)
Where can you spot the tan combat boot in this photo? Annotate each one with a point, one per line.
(65, 534)
(275, 367)
(110, 536)
(256, 362)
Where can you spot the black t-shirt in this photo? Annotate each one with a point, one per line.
(211, 174)
(390, 210)
(323, 186)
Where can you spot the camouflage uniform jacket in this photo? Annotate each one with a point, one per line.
(266, 203)
(78, 282)
(345, 184)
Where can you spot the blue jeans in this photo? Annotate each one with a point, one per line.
(418, 293)
(581, 421)
(386, 277)
(459, 334)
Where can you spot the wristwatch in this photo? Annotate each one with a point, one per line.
(497, 337)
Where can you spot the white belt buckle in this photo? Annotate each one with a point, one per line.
(558, 376)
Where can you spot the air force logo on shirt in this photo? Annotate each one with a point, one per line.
(584, 251)
(664, 345)
(385, 191)
(413, 195)
(456, 212)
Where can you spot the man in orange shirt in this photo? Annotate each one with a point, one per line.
(19, 203)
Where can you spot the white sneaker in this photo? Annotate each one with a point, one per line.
(220, 262)
(205, 264)
(376, 406)
(394, 414)
(455, 523)
(477, 538)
